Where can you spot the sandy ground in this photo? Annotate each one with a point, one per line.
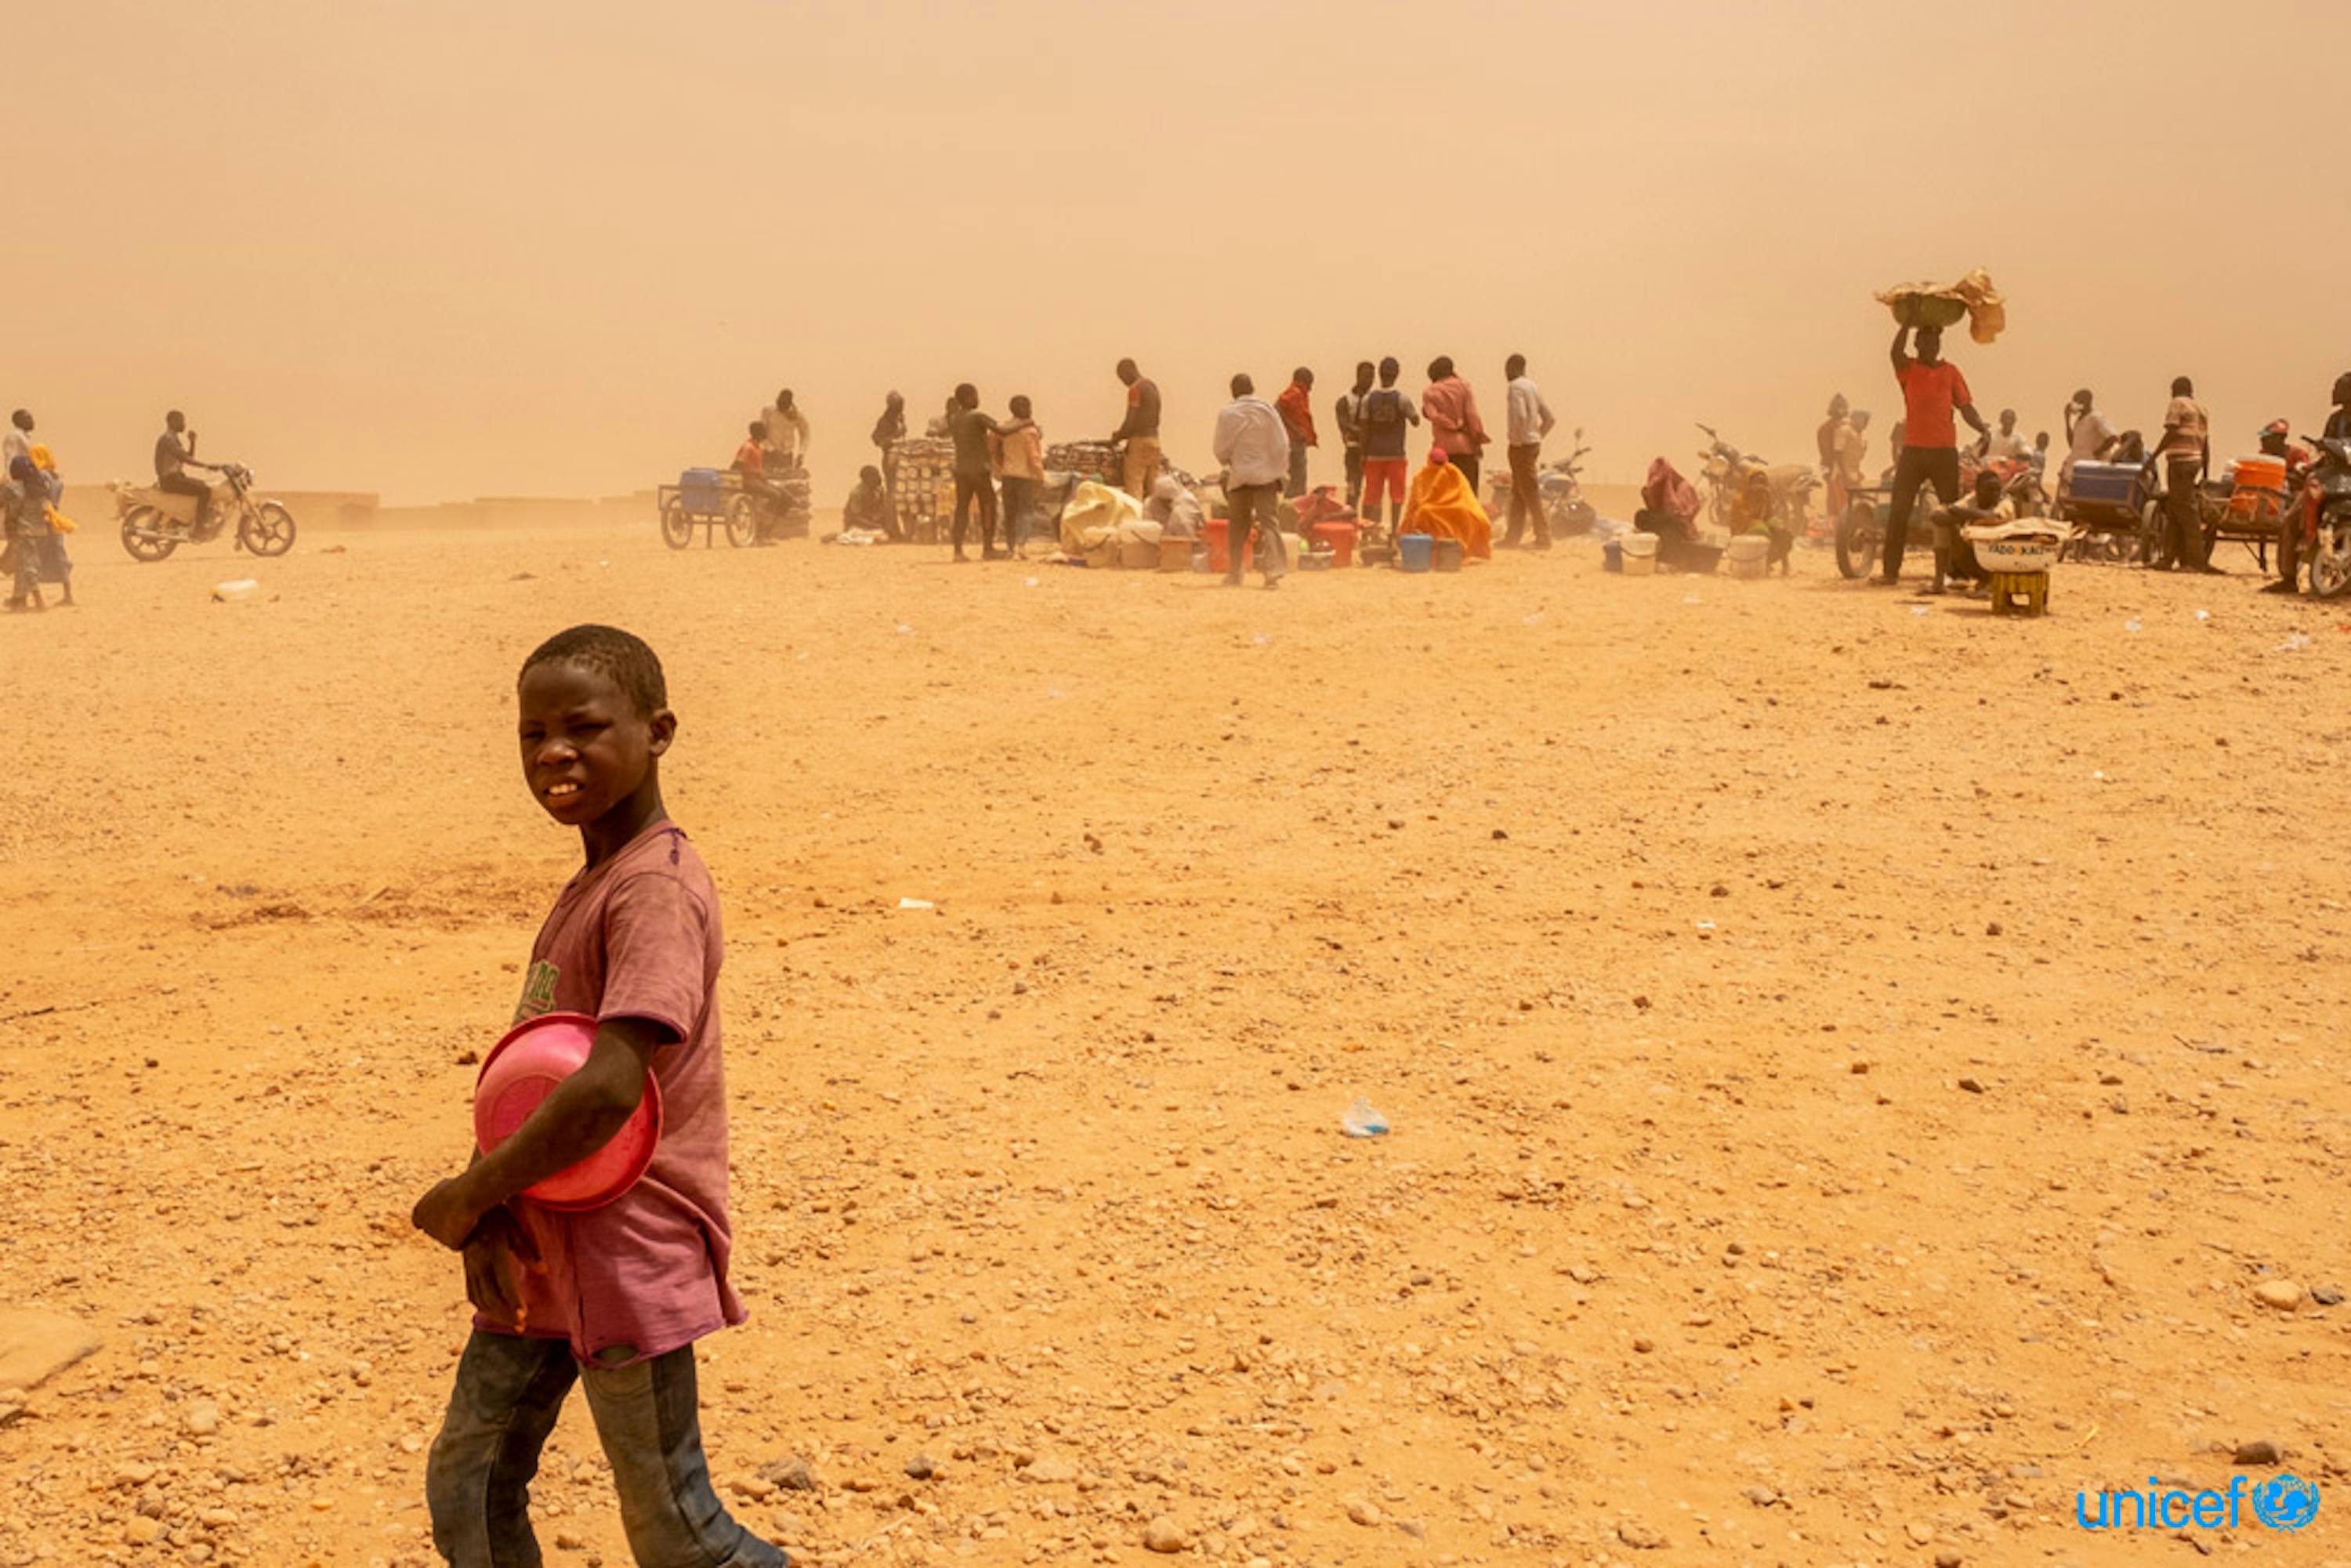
(1851, 1059)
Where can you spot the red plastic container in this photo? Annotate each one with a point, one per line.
(522, 1070)
(1338, 538)
(1220, 555)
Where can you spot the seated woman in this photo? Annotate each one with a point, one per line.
(1669, 508)
(1441, 505)
(1756, 510)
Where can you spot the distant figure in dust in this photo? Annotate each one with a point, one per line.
(888, 430)
(1349, 413)
(1017, 454)
(868, 508)
(1139, 430)
(24, 501)
(1252, 446)
(1388, 417)
(788, 433)
(970, 429)
(1452, 411)
(2004, 444)
(1296, 406)
(1825, 439)
(2186, 453)
(750, 466)
(175, 453)
(57, 567)
(1846, 471)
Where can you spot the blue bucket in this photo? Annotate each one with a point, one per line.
(1413, 551)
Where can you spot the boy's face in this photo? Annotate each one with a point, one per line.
(586, 749)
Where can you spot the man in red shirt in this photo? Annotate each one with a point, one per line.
(1932, 389)
(1296, 405)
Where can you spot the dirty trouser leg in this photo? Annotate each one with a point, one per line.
(2190, 548)
(1355, 476)
(968, 488)
(1919, 467)
(652, 1432)
(1526, 494)
(509, 1392)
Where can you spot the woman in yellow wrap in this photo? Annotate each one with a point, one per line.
(57, 567)
(1442, 504)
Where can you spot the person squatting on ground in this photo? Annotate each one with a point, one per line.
(1348, 414)
(611, 1299)
(1954, 557)
(1530, 420)
(1016, 453)
(1253, 448)
(868, 508)
(1388, 419)
(970, 430)
(1139, 430)
(1932, 389)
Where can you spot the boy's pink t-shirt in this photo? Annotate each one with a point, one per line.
(638, 937)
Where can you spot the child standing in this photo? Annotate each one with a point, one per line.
(612, 1298)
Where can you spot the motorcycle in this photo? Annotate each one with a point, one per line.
(2324, 505)
(157, 522)
(1725, 471)
(1561, 481)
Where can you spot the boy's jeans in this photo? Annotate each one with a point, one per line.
(509, 1392)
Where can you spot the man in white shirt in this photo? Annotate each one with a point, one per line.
(1253, 448)
(788, 433)
(2088, 437)
(1531, 420)
(2004, 444)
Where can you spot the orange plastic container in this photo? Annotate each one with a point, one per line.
(2259, 473)
(1220, 555)
(1338, 538)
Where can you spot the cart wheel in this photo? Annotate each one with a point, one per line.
(742, 520)
(676, 528)
(2152, 523)
(1858, 539)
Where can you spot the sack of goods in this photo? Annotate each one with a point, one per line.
(1940, 305)
(1087, 459)
(798, 509)
(925, 486)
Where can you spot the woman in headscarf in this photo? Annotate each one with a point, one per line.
(1442, 504)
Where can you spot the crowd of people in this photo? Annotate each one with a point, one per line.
(1263, 450)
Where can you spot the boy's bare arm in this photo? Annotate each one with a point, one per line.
(579, 1118)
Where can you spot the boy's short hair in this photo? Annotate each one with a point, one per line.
(1987, 489)
(620, 657)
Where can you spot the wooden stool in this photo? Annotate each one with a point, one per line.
(2020, 593)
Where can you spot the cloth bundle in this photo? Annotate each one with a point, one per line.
(1942, 304)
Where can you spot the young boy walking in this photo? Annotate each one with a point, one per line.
(612, 1297)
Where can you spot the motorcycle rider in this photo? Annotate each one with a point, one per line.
(175, 453)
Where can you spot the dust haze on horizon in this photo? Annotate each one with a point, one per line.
(443, 250)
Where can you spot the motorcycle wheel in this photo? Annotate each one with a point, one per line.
(676, 531)
(266, 530)
(742, 521)
(139, 537)
(2330, 557)
(1859, 538)
(1576, 517)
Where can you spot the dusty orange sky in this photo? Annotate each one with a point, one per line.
(526, 247)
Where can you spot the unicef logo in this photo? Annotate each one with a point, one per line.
(2285, 1503)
